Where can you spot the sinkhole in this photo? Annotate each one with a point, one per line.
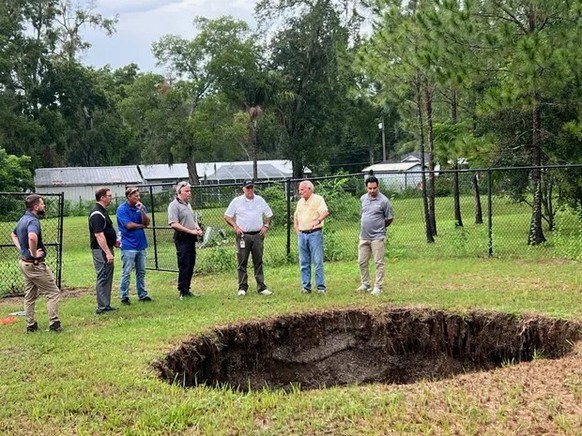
(351, 346)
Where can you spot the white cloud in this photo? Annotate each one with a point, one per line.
(142, 22)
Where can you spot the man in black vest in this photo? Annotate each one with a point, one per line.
(103, 239)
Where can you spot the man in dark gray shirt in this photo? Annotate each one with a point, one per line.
(376, 217)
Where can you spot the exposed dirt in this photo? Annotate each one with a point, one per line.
(66, 293)
(394, 346)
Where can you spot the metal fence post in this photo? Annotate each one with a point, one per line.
(154, 235)
(490, 211)
(288, 192)
(60, 236)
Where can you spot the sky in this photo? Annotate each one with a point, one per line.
(142, 22)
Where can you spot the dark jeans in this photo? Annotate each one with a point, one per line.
(186, 253)
(254, 247)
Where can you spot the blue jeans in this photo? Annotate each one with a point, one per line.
(311, 250)
(129, 258)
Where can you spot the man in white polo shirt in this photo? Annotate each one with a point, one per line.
(250, 216)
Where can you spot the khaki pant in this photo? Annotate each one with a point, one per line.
(366, 249)
(39, 280)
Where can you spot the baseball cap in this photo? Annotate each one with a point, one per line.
(248, 182)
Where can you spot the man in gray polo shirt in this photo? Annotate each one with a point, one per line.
(250, 216)
(376, 217)
(186, 232)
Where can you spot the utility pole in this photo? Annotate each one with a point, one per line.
(381, 126)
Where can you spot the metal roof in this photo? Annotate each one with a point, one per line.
(242, 172)
(83, 176)
(267, 169)
(400, 166)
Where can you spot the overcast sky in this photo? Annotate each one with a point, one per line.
(142, 22)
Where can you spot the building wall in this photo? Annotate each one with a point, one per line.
(81, 193)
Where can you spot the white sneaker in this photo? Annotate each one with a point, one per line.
(265, 292)
(376, 291)
(363, 288)
(241, 293)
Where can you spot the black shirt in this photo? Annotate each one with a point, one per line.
(99, 221)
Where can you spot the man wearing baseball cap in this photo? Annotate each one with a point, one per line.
(250, 216)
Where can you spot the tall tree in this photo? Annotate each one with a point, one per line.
(538, 43)
(213, 55)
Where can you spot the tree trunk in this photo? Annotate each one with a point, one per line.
(477, 199)
(456, 190)
(431, 176)
(429, 233)
(255, 151)
(192, 172)
(536, 234)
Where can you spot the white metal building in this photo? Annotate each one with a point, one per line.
(80, 183)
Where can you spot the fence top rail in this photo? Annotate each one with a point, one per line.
(360, 174)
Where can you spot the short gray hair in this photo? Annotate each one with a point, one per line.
(307, 184)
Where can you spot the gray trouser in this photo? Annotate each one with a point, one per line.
(254, 247)
(104, 278)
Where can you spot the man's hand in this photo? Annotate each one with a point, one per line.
(263, 230)
(109, 257)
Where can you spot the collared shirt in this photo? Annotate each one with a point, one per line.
(248, 214)
(181, 212)
(375, 212)
(134, 239)
(309, 210)
(28, 223)
(99, 221)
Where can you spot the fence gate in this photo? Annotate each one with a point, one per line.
(11, 209)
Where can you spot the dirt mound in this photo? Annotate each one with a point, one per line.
(397, 345)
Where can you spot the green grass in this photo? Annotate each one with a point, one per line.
(95, 377)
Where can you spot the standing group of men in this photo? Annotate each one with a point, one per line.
(132, 219)
(248, 214)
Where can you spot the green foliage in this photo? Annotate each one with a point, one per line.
(15, 174)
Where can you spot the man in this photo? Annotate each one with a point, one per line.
(376, 217)
(250, 217)
(132, 219)
(103, 239)
(38, 277)
(308, 221)
(186, 230)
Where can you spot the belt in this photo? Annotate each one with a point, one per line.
(30, 260)
(252, 233)
(307, 232)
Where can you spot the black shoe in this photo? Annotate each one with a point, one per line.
(105, 309)
(306, 291)
(32, 328)
(125, 301)
(146, 298)
(56, 327)
(188, 294)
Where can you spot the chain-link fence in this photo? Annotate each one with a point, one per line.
(492, 216)
(11, 209)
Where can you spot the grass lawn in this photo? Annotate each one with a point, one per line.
(96, 378)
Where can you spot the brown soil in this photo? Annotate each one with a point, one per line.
(394, 346)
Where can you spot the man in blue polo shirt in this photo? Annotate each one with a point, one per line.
(132, 219)
(376, 217)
